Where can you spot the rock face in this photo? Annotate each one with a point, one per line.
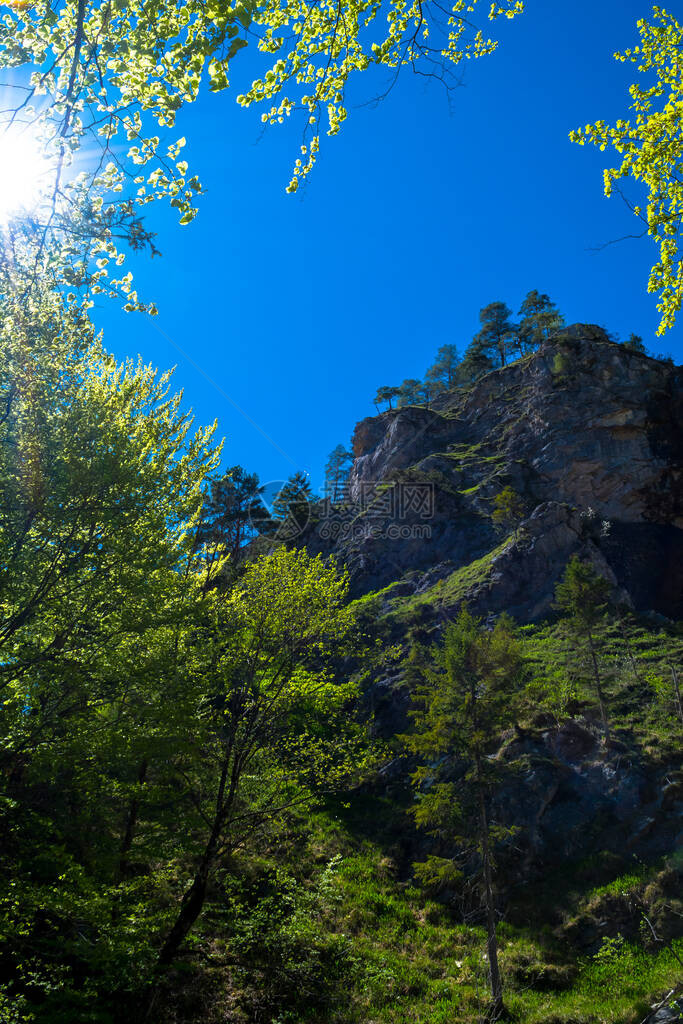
(590, 436)
(571, 795)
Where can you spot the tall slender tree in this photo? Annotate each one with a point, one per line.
(582, 595)
(339, 463)
(497, 332)
(462, 704)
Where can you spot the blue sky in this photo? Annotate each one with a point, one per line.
(295, 308)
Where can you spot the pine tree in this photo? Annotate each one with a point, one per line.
(497, 331)
(292, 506)
(428, 391)
(337, 469)
(444, 370)
(386, 394)
(635, 343)
(582, 595)
(228, 519)
(410, 393)
(475, 363)
(463, 703)
(540, 318)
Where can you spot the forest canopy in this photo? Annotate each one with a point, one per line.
(98, 81)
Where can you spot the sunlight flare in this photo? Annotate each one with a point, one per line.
(24, 173)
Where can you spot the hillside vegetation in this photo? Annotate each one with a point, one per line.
(242, 785)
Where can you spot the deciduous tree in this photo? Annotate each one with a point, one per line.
(148, 723)
(649, 145)
(101, 594)
(111, 79)
(508, 510)
(271, 731)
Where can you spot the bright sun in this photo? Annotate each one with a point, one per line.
(24, 174)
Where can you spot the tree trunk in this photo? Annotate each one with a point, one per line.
(491, 940)
(131, 821)
(190, 909)
(598, 687)
(193, 900)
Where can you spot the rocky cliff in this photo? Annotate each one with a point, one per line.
(588, 433)
(589, 436)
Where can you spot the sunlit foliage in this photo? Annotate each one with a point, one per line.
(650, 145)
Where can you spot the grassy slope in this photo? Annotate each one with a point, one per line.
(373, 949)
(339, 934)
(369, 948)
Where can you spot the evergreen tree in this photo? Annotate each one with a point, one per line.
(444, 370)
(386, 394)
(475, 363)
(582, 595)
(292, 506)
(337, 469)
(463, 703)
(635, 343)
(497, 332)
(231, 509)
(540, 318)
(508, 510)
(428, 391)
(410, 393)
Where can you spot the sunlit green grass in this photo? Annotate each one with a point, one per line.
(412, 962)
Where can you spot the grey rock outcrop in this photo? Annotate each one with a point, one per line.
(587, 432)
(669, 1012)
(571, 795)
